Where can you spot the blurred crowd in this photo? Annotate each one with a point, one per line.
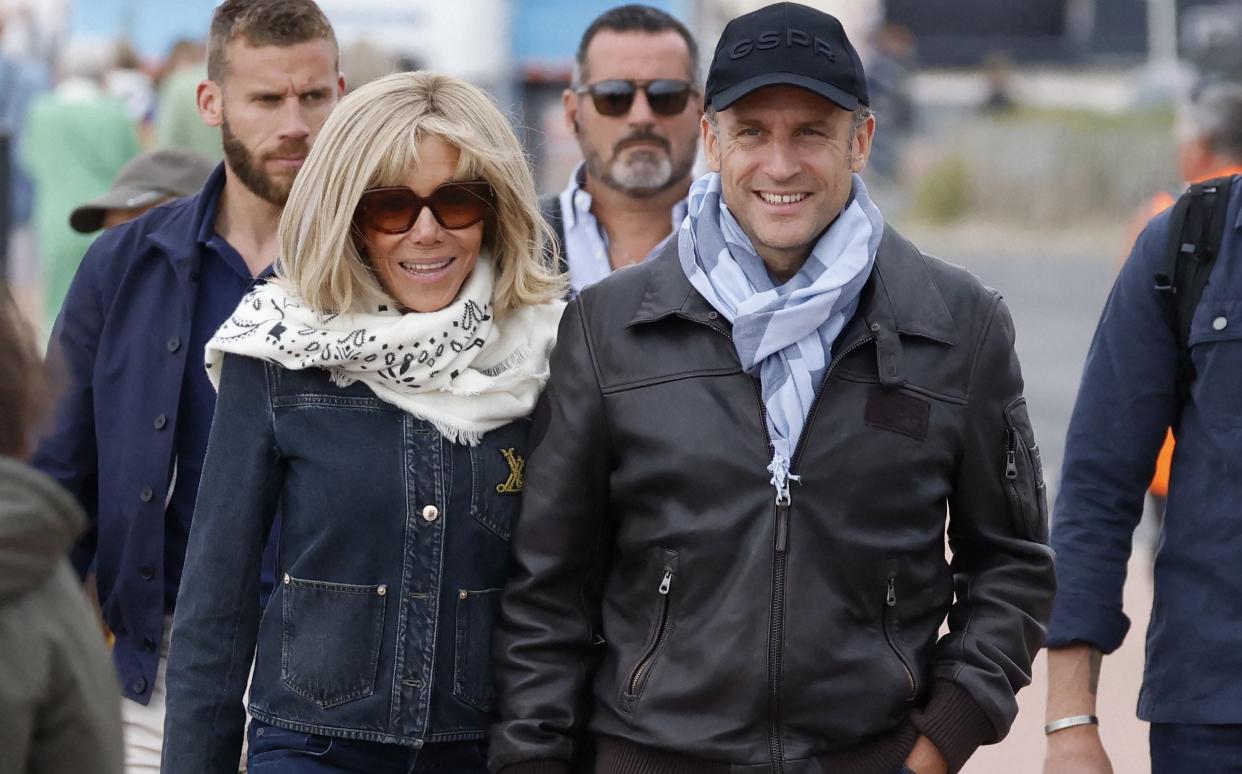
(72, 117)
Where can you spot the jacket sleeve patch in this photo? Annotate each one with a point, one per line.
(899, 412)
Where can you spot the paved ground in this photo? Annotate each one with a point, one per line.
(1055, 285)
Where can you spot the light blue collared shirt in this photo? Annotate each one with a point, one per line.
(586, 244)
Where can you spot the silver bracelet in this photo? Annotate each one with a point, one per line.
(1069, 722)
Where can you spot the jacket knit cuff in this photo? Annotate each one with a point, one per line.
(540, 766)
(954, 722)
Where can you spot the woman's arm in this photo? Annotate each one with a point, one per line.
(217, 617)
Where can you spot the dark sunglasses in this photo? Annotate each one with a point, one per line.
(454, 205)
(667, 97)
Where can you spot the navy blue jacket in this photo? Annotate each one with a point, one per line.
(394, 547)
(1126, 400)
(123, 344)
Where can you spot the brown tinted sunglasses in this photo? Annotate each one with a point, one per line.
(454, 205)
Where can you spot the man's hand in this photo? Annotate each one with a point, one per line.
(1077, 750)
(926, 759)
(1073, 680)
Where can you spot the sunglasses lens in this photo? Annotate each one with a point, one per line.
(458, 205)
(668, 98)
(389, 210)
(612, 98)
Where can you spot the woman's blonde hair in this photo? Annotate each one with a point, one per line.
(371, 140)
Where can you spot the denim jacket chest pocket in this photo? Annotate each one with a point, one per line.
(498, 476)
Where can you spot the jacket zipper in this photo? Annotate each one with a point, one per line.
(1011, 469)
(644, 663)
(890, 601)
(776, 628)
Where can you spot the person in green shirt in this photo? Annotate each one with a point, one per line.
(76, 139)
(177, 124)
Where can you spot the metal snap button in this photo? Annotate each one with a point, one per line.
(160, 422)
(875, 327)
(713, 315)
(431, 513)
(1219, 323)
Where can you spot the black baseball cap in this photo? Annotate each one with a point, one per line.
(786, 43)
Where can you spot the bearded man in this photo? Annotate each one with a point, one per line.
(634, 106)
(133, 416)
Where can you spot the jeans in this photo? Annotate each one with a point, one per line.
(276, 750)
(1178, 748)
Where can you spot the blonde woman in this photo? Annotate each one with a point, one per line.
(377, 392)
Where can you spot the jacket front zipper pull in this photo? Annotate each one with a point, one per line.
(666, 582)
(782, 527)
(891, 599)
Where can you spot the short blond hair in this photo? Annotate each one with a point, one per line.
(371, 140)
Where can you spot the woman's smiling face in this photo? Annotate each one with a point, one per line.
(424, 268)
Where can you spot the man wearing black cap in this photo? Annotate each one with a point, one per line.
(731, 552)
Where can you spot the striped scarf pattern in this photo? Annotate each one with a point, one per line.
(783, 333)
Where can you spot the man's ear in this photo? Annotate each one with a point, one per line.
(210, 100)
(711, 144)
(569, 102)
(862, 144)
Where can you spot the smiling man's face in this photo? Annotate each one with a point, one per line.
(786, 158)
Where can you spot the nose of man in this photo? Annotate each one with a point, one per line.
(295, 123)
(781, 161)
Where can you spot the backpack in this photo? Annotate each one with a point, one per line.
(1196, 227)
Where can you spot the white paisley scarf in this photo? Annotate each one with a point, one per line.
(783, 333)
(459, 368)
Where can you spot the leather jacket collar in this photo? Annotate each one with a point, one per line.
(900, 298)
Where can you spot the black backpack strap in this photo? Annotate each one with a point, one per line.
(1196, 227)
(550, 206)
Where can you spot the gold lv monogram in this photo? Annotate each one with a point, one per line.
(517, 465)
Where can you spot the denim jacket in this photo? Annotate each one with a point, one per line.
(393, 552)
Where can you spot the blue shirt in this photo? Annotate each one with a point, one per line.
(1127, 399)
(586, 244)
(223, 279)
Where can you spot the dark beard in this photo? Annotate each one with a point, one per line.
(249, 172)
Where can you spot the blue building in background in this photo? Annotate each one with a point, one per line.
(152, 26)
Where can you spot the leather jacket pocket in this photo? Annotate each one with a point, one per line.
(1023, 474)
(472, 657)
(330, 640)
(889, 623)
(661, 628)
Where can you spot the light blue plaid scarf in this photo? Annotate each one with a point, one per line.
(783, 333)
